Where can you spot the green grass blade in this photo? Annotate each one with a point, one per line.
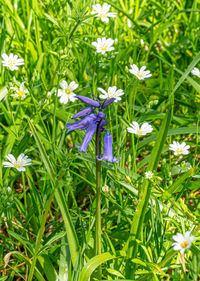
(93, 264)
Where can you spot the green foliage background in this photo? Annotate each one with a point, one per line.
(47, 220)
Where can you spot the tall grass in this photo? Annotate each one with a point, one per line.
(48, 216)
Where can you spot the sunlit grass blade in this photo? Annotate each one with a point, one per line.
(92, 264)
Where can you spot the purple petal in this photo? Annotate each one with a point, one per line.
(108, 150)
(88, 137)
(107, 102)
(88, 101)
(83, 112)
(101, 157)
(82, 124)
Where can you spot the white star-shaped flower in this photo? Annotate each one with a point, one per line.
(20, 92)
(195, 71)
(182, 242)
(149, 175)
(105, 188)
(111, 93)
(12, 61)
(141, 73)
(103, 45)
(19, 163)
(66, 93)
(135, 129)
(179, 148)
(103, 12)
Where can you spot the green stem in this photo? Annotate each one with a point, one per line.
(24, 192)
(98, 198)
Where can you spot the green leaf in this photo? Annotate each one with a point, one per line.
(115, 272)
(61, 200)
(93, 264)
(177, 183)
(3, 93)
(48, 268)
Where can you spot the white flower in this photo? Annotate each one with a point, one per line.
(111, 93)
(149, 175)
(135, 129)
(66, 93)
(182, 242)
(12, 61)
(103, 12)
(129, 22)
(141, 73)
(195, 71)
(9, 189)
(141, 41)
(105, 188)
(103, 45)
(20, 92)
(18, 163)
(179, 148)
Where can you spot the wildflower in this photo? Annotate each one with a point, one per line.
(182, 242)
(66, 93)
(129, 22)
(179, 148)
(111, 93)
(141, 73)
(149, 175)
(103, 12)
(18, 163)
(195, 71)
(12, 61)
(20, 92)
(103, 45)
(105, 188)
(9, 189)
(141, 41)
(108, 151)
(91, 121)
(135, 129)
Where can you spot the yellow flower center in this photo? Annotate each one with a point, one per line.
(140, 132)
(67, 91)
(20, 93)
(104, 47)
(11, 63)
(184, 244)
(179, 150)
(17, 165)
(103, 15)
(139, 74)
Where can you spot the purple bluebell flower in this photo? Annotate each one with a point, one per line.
(83, 112)
(92, 123)
(107, 102)
(82, 124)
(108, 150)
(89, 101)
(88, 136)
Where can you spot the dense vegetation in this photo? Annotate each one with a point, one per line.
(48, 211)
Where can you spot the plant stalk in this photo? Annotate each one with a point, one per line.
(98, 198)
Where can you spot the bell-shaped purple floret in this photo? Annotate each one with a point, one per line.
(82, 124)
(88, 137)
(108, 150)
(83, 112)
(89, 101)
(107, 102)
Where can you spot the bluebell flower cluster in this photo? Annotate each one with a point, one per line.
(91, 123)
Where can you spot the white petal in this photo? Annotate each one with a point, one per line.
(11, 157)
(63, 84)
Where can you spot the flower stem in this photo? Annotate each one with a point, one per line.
(98, 198)
(24, 191)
